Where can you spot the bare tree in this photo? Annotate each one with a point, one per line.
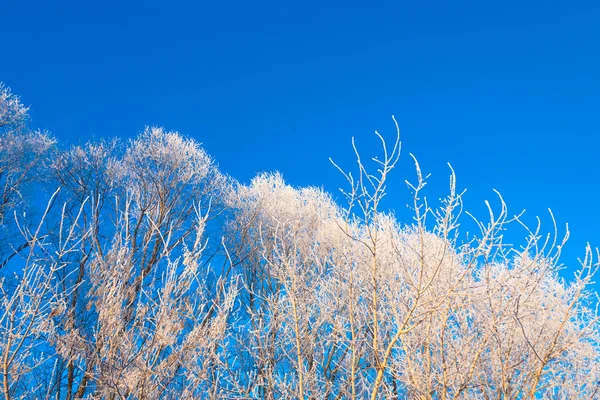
(349, 303)
(147, 211)
(30, 304)
(159, 277)
(22, 156)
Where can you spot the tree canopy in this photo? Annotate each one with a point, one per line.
(146, 273)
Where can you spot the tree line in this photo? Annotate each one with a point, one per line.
(137, 270)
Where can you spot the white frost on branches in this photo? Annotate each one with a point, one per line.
(149, 274)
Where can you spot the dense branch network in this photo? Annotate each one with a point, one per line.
(146, 274)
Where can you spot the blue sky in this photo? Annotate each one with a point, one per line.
(507, 92)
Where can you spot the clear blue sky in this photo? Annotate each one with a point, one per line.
(507, 92)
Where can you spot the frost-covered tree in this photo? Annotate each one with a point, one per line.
(149, 274)
(22, 156)
(351, 303)
(141, 303)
